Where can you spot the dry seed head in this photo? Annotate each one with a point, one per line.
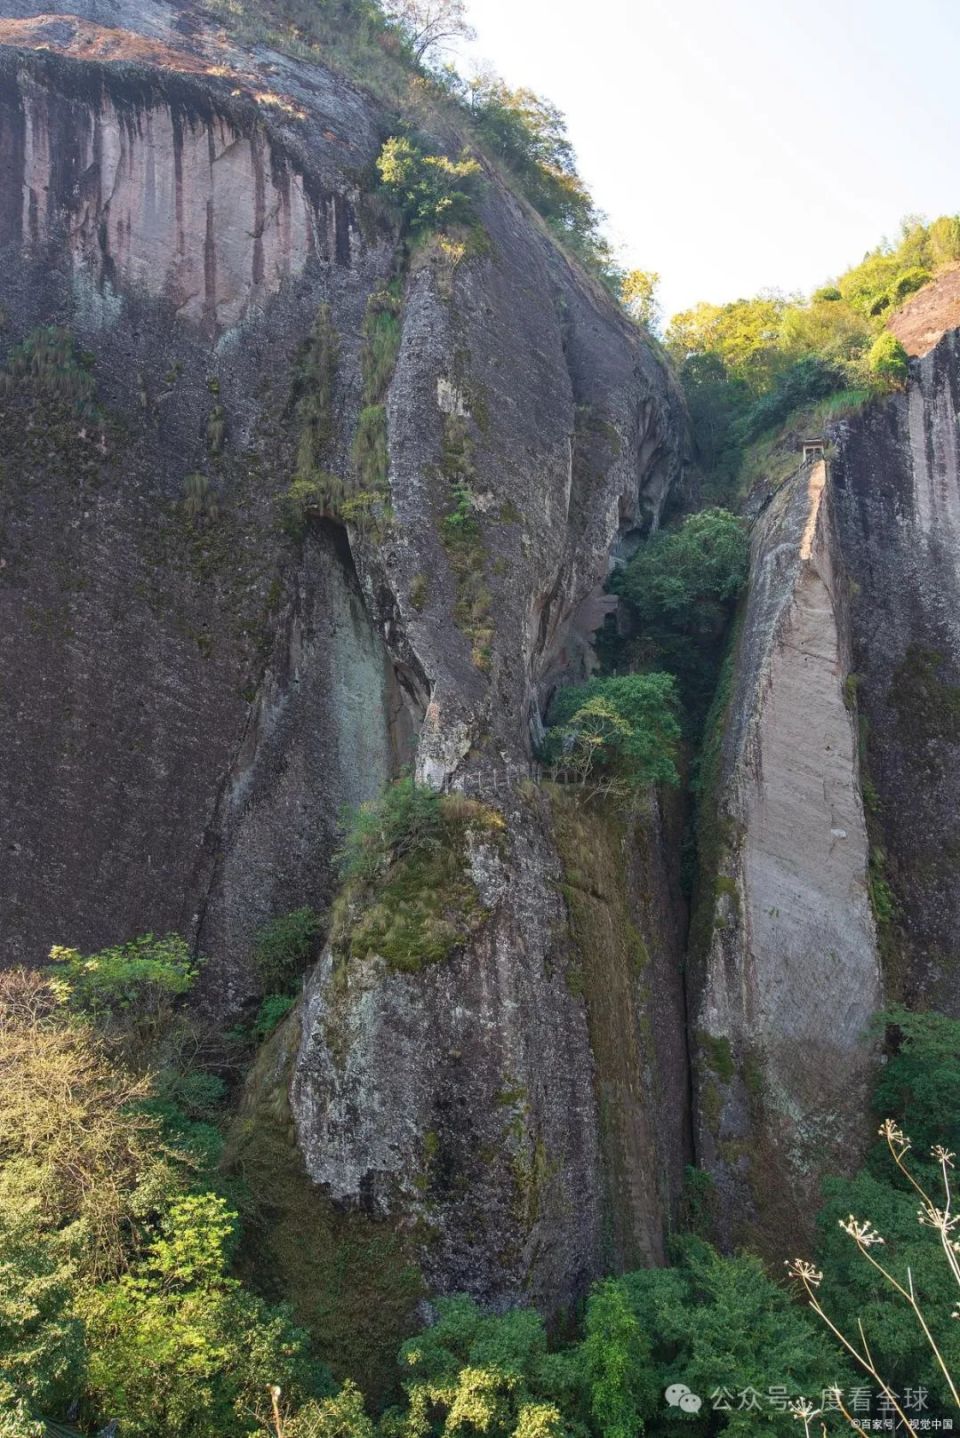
(861, 1233)
(937, 1218)
(804, 1271)
(893, 1133)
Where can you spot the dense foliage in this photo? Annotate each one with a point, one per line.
(133, 983)
(623, 730)
(747, 366)
(680, 590)
(177, 1346)
(283, 949)
(918, 1085)
(431, 191)
(116, 1229)
(118, 1298)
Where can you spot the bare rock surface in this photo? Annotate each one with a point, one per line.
(791, 975)
(928, 315)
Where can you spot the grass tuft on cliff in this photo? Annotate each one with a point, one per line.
(409, 896)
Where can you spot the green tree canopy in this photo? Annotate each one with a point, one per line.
(681, 588)
(431, 191)
(888, 361)
(625, 728)
(178, 1347)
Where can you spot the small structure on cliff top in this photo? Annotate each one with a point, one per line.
(813, 449)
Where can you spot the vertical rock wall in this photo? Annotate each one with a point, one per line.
(789, 969)
(897, 499)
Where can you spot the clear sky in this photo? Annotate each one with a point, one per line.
(738, 145)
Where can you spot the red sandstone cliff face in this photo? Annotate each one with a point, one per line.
(187, 202)
(929, 314)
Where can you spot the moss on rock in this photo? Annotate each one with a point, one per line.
(610, 956)
(352, 1280)
(418, 907)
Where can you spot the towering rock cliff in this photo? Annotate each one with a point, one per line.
(253, 568)
(832, 827)
(897, 501)
(789, 967)
(199, 674)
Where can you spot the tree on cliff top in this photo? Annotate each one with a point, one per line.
(429, 25)
(638, 294)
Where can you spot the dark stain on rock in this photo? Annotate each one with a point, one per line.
(341, 213)
(259, 208)
(12, 166)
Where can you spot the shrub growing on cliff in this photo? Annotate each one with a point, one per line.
(409, 896)
(888, 362)
(315, 376)
(199, 498)
(133, 985)
(681, 588)
(283, 949)
(381, 341)
(50, 361)
(404, 819)
(430, 191)
(624, 730)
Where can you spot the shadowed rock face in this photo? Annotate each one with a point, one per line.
(897, 492)
(191, 699)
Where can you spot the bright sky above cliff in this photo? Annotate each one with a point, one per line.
(750, 143)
